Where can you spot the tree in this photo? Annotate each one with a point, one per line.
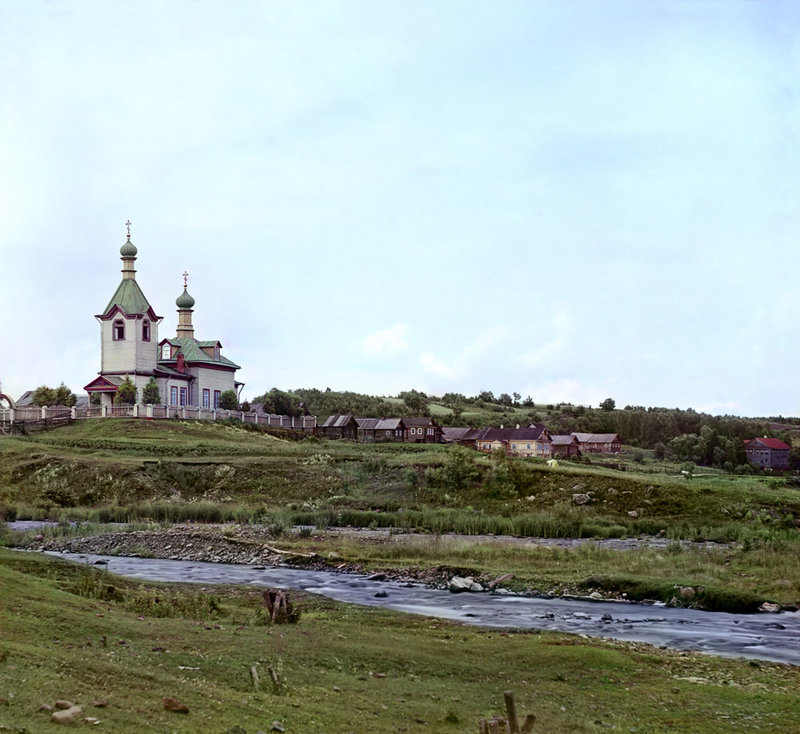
(504, 399)
(415, 401)
(126, 392)
(65, 396)
(44, 395)
(228, 401)
(528, 402)
(150, 394)
(608, 404)
(660, 451)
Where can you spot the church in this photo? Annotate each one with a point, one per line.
(187, 371)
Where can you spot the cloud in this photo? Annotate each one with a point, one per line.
(437, 366)
(387, 342)
(563, 326)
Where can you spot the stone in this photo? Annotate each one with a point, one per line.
(381, 595)
(686, 592)
(64, 704)
(769, 607)
(46, 707)
(581, 499)
(633, 513)
(458, 584)
(277, 726)
(173, 704)
(66, 716)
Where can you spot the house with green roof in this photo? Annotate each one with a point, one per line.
(187, 371)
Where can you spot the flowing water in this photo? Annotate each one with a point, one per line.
(774, 637)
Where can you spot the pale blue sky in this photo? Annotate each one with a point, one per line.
(567, 199)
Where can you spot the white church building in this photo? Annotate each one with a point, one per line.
(187, 371)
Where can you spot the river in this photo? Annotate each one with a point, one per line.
(774, 637)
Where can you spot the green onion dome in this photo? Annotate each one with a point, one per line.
(128, 249)
(184, 300)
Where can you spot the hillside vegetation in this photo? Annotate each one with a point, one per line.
(117, 469)
(136, 471)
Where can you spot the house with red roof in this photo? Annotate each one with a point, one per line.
(766, 452)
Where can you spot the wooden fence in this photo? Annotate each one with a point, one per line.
(36, 418)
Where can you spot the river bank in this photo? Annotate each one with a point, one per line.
(491, 562)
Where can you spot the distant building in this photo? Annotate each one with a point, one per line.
(599, 443)
(767, 452)
(565, 446)
(339, 426)
(531, 441)
(377, 430)
(188, 372)
(422, 430)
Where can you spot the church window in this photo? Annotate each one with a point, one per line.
(166, 351)
(118, 332)
(216, 399)
(183, 396)
(173, 396)
(146, 331)
(206, 398)
(216, 353)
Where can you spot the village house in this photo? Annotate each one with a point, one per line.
(565, 446)
(186, 371)
(769, 453)
(339, 426)
(461, 436)
(376, 430)
(530, 441)
(599, 443)
(422, 430)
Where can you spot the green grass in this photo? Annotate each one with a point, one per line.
(128, 469)
(342, 668)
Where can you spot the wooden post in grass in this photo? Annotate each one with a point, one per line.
(511, 710)
(499, 725)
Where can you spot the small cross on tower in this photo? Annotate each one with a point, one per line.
(128, 225)
(185, 279)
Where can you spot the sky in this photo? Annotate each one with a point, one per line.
(568, 199)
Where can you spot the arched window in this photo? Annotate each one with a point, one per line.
(119, 330)
(146, 330)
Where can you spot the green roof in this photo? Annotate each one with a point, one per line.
(129, 298)
(190, 348)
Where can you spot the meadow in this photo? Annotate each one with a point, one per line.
(117, 648)
(734, 536)
(78, 633)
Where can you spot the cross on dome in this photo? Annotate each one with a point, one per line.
(128, 225)
(185, 278)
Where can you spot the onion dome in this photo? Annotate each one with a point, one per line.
(184, 300)
(128, 249)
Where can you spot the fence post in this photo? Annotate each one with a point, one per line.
(149, 410)
(104, 411)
